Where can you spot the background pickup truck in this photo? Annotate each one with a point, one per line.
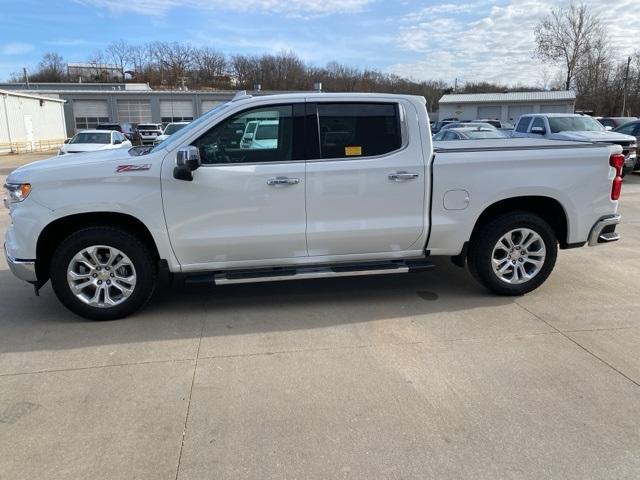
(349, 185)
(580, 128)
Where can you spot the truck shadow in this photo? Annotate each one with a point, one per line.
(30, 323)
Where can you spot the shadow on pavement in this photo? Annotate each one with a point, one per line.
(176, 312)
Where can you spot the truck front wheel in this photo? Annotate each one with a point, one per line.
(513, 254)
(103, 273)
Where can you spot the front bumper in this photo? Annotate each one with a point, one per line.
(604, 230)
(23, 269)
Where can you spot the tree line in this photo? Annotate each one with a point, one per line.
(571, 37)
(173, 65)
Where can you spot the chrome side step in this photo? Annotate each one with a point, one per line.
(323, 271)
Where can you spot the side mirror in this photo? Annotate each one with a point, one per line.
(538, 130)
(187, 160)
(117, 141)
(608, 128)
(248, 136)
(67, 140)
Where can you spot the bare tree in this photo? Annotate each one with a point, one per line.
(52, 68)
(565, 36)
(120, 54)
(211, 67)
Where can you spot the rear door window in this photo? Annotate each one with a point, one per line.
(349, 130)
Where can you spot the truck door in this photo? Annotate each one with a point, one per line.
(246, 202)
(366, 181)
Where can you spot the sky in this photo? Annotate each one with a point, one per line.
(471, 40)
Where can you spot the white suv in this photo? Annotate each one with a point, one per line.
(149, 132)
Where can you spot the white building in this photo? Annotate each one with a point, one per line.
(30, 122)
(94, 71)
(506, 107)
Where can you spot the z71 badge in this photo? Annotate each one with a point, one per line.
(133, 168)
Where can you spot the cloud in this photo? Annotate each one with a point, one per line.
(300, 8)
(484, 40)
(16, 48)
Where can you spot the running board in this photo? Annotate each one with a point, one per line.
(310, 272)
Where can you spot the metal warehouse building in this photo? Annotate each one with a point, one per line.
(30, 122)
(88, 104)
(506, 107)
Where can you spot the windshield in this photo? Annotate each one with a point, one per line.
(574, 124)
(147, 126)
(188, 128)
(173, 128)
(92, 137)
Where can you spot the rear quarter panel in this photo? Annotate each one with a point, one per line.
(578, 177)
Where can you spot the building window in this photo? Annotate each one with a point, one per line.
(166, 120)
(84, 123)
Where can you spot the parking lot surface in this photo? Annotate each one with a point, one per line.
(413, 377)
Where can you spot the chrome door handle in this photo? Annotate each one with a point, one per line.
(283, 181)
(399, 176)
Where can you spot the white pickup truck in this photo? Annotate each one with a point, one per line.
(351, 185)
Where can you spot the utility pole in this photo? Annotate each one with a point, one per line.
(626, 82)
(455, 85)
(26, 77)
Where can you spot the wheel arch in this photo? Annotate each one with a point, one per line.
(55, 232)
(548, 208)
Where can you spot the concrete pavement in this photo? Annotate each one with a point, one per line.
(421, 376)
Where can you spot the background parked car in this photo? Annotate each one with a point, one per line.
(149, 132)
(442, 123)
(92, 140)
(611, 123)
(632, 128)
(466, 124)
(170, 129)
(496, 123)
(467, 133)
(579, 128)
(265, 136)
(127, 129)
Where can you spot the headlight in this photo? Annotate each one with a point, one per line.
(16, 192)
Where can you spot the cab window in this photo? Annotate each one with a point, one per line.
(254, 136)
(350, 130)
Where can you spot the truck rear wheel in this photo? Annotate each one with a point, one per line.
(103, 273)
(513, 254)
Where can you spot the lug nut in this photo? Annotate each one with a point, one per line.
(99, 282)
(98, 268)
(111, 275)
(108, 282)
(94, 275)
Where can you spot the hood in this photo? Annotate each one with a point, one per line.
(32, 171)
(161, 138)
(604, 136)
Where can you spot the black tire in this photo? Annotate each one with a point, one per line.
(129, 245)
(484, 240)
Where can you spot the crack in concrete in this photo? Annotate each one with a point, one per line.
(603, 361)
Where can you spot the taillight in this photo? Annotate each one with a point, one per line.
(616, 161)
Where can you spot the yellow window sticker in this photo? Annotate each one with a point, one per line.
(352, 151)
